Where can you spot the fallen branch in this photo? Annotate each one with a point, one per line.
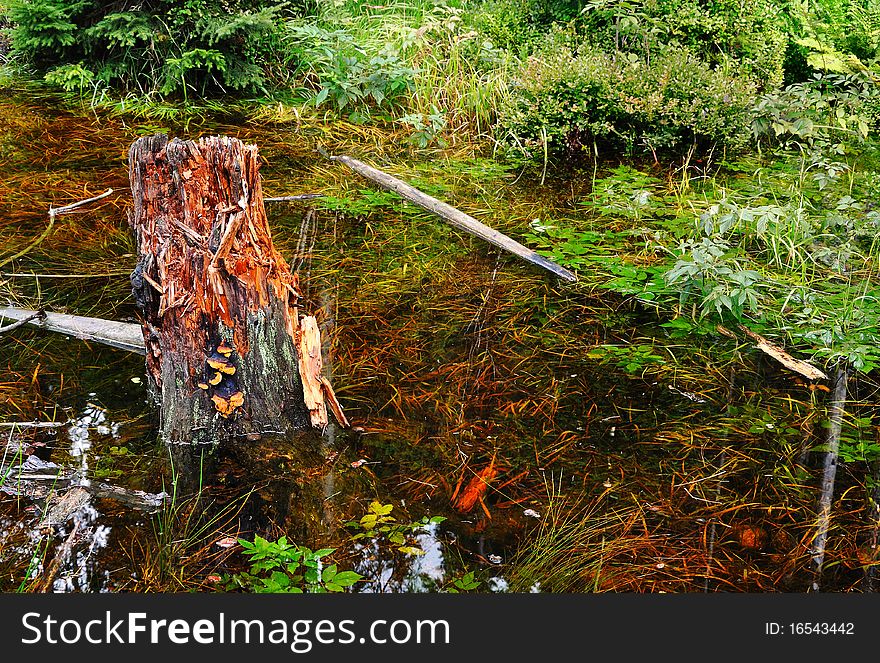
(53, 212)
(34, 424)
(454, 217)
(21, 323)
(803, 368)
(826, 492)
(121, 335)
(302, 196)
(61, 555)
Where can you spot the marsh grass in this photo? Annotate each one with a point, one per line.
(183, 548)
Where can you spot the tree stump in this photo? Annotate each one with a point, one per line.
(228, 354)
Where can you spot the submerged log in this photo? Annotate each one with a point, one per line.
(829, 472)
(219, 304)
(120, 335)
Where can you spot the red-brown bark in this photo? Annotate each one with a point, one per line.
(220, 305)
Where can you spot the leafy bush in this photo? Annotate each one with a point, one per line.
(749, 36)
(668, 103)
(347, 73)
(201, 46)
(825, 112)
(841, 37)
(521, 25)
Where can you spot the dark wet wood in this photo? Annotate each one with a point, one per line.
(837, 408)
(220, 306)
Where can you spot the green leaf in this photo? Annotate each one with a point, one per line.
(329, 573)
(346, 578)
(380, 509)
(280, 579)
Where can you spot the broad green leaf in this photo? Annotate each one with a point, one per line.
(346, 578)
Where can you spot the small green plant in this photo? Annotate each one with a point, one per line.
(351, 75)
(465, 583)
(633, 359)
(708, 268)
(378, 523)
(426, 128)
(280, 567)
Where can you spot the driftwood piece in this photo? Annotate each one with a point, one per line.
(220, 306)
(772, 350)
(454, 217)
(121, 335)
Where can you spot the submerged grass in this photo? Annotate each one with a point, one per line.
(183, 550)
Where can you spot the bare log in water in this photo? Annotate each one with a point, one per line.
(220, 306)
(829, 472)
(454, 217)
(120, 335)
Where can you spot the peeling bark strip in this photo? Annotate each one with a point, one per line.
(219, 303)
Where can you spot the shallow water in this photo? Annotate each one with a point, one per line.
(452, 362)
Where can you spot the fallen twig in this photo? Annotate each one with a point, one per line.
(454, 217)
(53, 212)
(22, 322)
(63, 552)
(302, 196)
(803, 368)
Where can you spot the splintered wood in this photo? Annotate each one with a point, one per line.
(226, 352)
(772, 350)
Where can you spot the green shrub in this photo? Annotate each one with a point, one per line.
(828, 111)
(842, 36)
(344, 72)
(197, 46)
(750, 36)
(669, 103)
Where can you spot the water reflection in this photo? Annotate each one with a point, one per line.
(94, 418)
(390, 573)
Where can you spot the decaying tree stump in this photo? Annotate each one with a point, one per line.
(228, 354)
